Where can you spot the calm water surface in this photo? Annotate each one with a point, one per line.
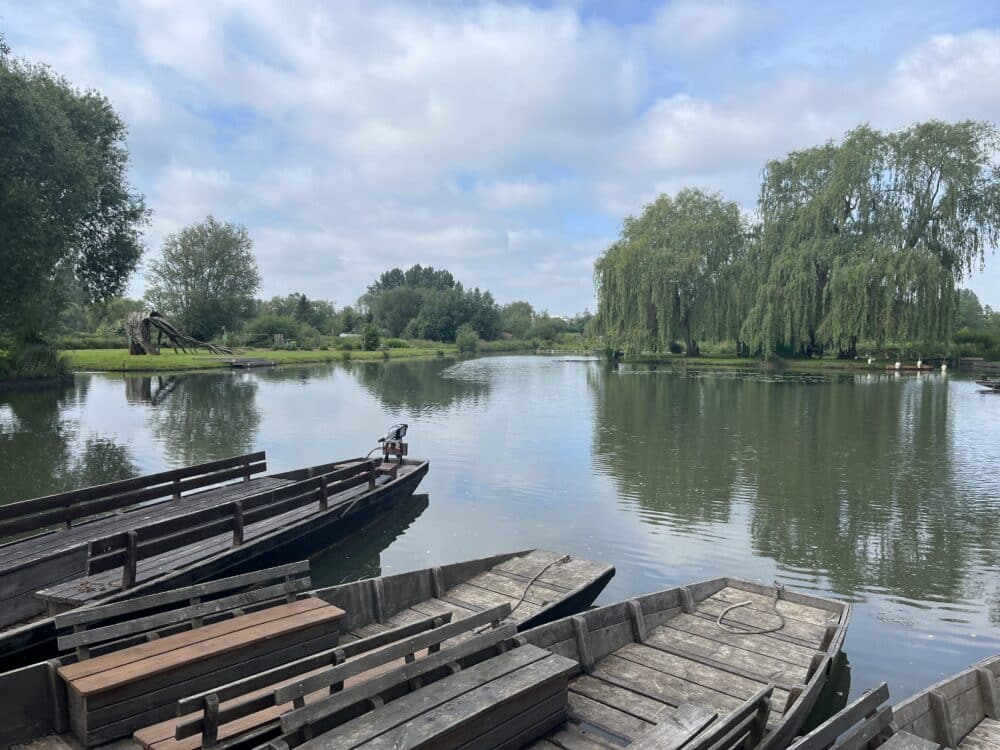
(879, 490)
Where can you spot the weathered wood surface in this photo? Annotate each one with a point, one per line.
(94, 625)
(80, 590)
(648, 662)
(113, 694)
(827, 733)
(458, 709)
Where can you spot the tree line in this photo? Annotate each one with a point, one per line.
(71, 227)
(861, 240)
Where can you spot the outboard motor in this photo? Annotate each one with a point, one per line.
(393, 445)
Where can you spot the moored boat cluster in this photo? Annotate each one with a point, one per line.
(168, 612)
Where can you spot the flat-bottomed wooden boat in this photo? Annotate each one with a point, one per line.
(161, 531)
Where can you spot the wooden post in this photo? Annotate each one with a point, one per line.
(177, 489)
(324, 494)
(246, 470)
(942, 719)
(197, 621)
(237, 523)
(371, 479)
(989, 694)
(131, 560)
(82, 652)
(210, 722)
(638, 621)
(582, 634)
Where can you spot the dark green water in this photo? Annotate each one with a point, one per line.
(880, 490)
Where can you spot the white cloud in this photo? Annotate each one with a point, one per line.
(503, 142)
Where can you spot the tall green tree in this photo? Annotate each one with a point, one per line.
(69, 218)
(670, 276)
(206, 278)
(866, 239)
(516, 318)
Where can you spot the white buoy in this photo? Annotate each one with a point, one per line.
(869, 361)
(899, 365)
(944, 367)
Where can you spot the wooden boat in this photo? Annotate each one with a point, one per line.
(145, 681)
(992, 383)
(718, 665)
(156, 532)
(721, 658)
(962, 711)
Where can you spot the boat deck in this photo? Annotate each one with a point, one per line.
(80, 590)
(690, 660)
(986, 736)
(23, 552)
(506, 583)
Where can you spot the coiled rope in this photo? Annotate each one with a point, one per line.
(524, 594)
(741, 629)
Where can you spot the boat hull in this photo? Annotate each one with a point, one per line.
(36, 640)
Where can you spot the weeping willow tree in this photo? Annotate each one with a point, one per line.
(672, 275)
(867, 239)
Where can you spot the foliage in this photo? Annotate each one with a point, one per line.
(466, 339)
(516, 318)
(318, 314)
(206, 279)
(428, 303)
(969, 312)
(370, 338)
(261, 329)
(396, 344)
(867, 238)
(671, 274)
(36, 360)
(69, 219)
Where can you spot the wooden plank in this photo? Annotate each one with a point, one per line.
(753, 663)
(311, 714)
(760, 644)
(790, 610)
(117, 659)
(907, 741)
(724, 667)
(676, 729)
(692, 671)
(826, 733)
(567, 576)
(573, 736)
(749, 719)
(523, 728)
(661, 685)
(621, 698)
(150, 622)
(525, 691)
(59, 500)
(539, 592)
(608, 719)
(482, 598)
(858, 737)
(420, 701)
(121, 712)
(390, 652)
(801, 633)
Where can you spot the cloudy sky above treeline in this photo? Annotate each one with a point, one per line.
(504, 142)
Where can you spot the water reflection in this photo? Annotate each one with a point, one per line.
(212, 416)
(849, 482)
(420, 387)
(361, 556)
(150, 390)
(43, 448)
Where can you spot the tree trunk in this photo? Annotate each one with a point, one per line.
(690, 345)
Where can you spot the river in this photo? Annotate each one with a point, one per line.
(877, 489)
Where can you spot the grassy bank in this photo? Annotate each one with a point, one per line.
(119, 360)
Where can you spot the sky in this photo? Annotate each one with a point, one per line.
(504, 142)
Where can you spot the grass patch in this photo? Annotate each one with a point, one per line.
(119, 360)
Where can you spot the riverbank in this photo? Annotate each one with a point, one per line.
(119, 360)
(775, 364)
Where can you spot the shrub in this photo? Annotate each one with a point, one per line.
(348, 344)
(370, 337)
(38, 361)
(396, 344)
(675, 348)
(467, 339)
(265, 326)
(439, 352)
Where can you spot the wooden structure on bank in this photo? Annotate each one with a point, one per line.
(962, 711)
(139, 327)
(135, 536)
(223, 665)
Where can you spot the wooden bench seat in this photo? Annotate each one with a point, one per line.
(508, 700)
(112, 695)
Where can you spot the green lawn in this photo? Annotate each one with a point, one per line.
(119, 360)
